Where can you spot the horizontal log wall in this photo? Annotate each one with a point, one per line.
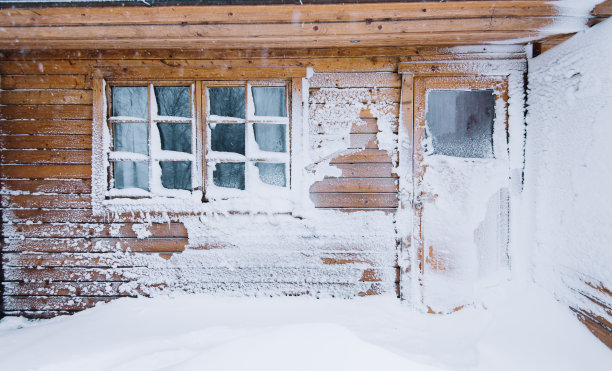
(58, 257)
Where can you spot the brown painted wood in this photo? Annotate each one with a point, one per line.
(367, 141)
(94, 230)
(46, 141)
(603, 9)
(46, 97)
(43, 81)
(355, 185)
(366, 170)
(96, 245)
(363, 156)
(66, 274)
(46, 186)
(68, 289)
(46, 171)
(73, 127)
(366, 126)
(354, 200)
(19, 303)
(381, 94)
(274, 13)
(46, 201)
(45, 157)
(62, 112)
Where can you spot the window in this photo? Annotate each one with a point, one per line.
(151, 129)
(247, 131)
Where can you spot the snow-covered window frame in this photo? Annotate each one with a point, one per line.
(105, 199)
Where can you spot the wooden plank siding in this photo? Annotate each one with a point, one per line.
(59, 257)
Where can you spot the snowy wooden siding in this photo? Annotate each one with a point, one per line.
(58, 256)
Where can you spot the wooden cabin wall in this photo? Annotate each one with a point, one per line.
(58, 257)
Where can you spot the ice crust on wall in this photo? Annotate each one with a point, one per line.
(568, 173)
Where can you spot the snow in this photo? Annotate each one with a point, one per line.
(189, 332)
(568, 174)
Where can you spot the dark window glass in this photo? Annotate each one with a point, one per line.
(176, 174)
(269, 100)
(131, 137)
(227, 138)
(227, 101)
(131, 174)
(229, 175)
(132, 101)
(460, 122)
(175, 137)
(270, 137)
(272, 173)
(173, 100)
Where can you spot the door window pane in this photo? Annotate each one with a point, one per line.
(176, 174)
(460, 122)
(229, 175)
(131, 137)
(227, 101)
(269, 100)
(270, 137)
(132, 101)
(175, 137)
(131, 174)
(272, 173)
(227, 138)
(173, 100)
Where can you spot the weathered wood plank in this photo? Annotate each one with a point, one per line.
(59, 127)
(366, 141)
(391, 95)
(45, 157)
(96, 245)
(45, 186)
(46, 171)
(94, 230)
(46, 201)
(366, 170)
(46, 141)
(42, 81)
(363, 156)
(274, 13)
(355, 185)
(355, 200)
(60, 112)
(355, 80)
(47, 97)
(18, 303)
(42, 274)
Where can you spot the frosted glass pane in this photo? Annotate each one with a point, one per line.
(173, 100)
(175, 137)
(460, 122)
(272, 173)
(130, 174)
(131, 137)
(227, 101)
(130, 101)
(229, 175)
(269, 100)
(176, 174)
(270, 137)
(227, 138)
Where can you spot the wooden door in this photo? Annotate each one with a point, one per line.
(460, 180)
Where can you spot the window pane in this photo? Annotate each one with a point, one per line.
(229, 175)
(227, 138)
(175, 137)
(130, 174)
(131, 137)
(270, 137)
(132, 101)
(269, 100)
(272, 173)
(176, 174)
(227, 101)
(173, 100)
(461, 122)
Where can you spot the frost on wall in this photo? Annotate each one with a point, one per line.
(568, 173)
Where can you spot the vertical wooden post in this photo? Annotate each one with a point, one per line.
(408, 277)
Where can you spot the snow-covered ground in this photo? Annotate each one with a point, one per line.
(192, 332)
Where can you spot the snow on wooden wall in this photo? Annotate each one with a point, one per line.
(60, 256)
